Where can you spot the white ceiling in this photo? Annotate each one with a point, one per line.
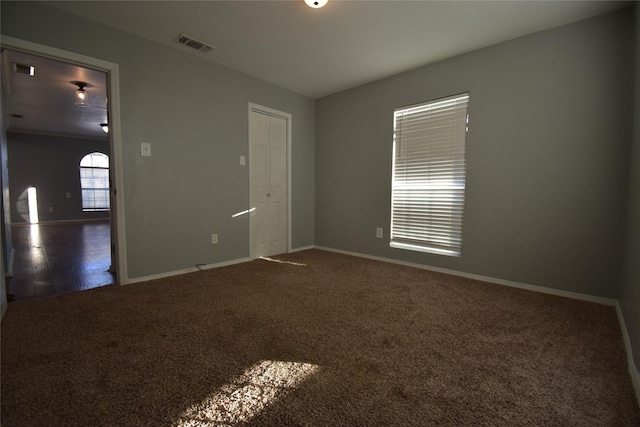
(317, 52)
(45, 101)
(314, 52)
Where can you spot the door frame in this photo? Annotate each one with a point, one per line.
(288, 118)
(115, 141)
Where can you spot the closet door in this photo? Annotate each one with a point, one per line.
(268, 184)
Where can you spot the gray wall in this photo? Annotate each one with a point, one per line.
(51, 164)
(630, 294)
(547, 157)
(195, 115)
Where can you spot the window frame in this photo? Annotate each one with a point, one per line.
(88, 193)
(428, 180)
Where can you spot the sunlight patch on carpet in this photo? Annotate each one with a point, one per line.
(281, 261)
(247, 395)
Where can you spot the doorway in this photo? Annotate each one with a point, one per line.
(269, 183)
(106, 228)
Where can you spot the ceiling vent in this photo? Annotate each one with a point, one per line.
(193, 43)
(28, 70)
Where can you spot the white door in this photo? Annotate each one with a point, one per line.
(268, 184)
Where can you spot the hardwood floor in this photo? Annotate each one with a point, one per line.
(53, 259)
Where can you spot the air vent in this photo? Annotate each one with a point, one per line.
(28, 70)
(193, 43)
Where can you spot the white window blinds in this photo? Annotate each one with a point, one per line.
(94, 182)
(427, 200)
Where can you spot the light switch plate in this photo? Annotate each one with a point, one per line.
(145, 147)
(243, 161)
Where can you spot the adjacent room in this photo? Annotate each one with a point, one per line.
(334, 213)
(58, 219)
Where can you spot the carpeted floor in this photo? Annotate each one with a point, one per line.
(336, 341)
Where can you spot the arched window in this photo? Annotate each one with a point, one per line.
(94, 182)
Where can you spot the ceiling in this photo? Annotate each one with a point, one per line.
(317, 52)
(314, 52)
(44, 103)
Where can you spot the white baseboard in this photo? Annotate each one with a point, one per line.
(633, 370)
(201, 267)
(300, 249)
(542, 289)
(186, 270)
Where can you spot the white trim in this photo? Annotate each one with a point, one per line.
(302, 248)
(104, 138)
(288, 118)
(633, 370)
(55, 53)
(12, 262)
(542, 289)
(188, 270)
(113, 79)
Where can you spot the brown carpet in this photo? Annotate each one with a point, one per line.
(338, 341)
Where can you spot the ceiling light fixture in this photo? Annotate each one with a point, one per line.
(105, 127)
(82, 98)
(316, 4)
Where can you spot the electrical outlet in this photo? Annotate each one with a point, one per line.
(50, 208)
(145, 149)
(379, 232)
(214, 239)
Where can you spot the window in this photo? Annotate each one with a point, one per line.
(428, 183)
(32, 202)
(94, 182)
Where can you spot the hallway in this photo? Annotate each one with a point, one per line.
(57, 258)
